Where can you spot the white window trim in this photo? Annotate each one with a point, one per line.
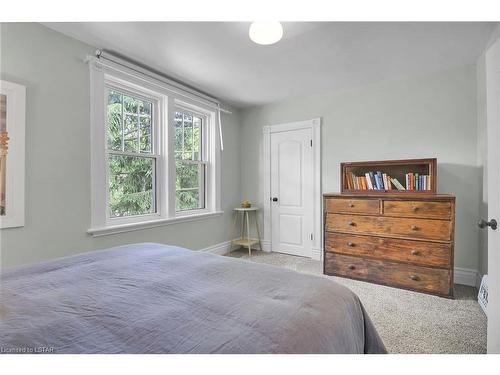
(159, 149)
(167, 99)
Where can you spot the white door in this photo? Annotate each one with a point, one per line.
(292, 192)
(493, 118)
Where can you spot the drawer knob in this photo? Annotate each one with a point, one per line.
(351, 267)
(351, 204)
(414, 278)
(415, 252)
(350, 244)
(414, 227)
(351, 223)
(414, 208)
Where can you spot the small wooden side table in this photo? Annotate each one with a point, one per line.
(245, 241)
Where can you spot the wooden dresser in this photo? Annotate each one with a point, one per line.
(403, 240)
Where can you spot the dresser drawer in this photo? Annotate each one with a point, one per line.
(390, 226)
(433, 210)
(357, 206)
(392, 249)
(390, 273)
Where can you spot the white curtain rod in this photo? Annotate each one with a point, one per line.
(101, 55)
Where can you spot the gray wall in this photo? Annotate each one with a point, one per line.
(51, 66)
(433, 115)
(427, 116)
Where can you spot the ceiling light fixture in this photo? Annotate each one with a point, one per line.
(265, 33)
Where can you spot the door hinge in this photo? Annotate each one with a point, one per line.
(312, 237)
(311, 142)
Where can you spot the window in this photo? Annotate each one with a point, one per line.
(190, 161)
(155, 154)
(132, 159)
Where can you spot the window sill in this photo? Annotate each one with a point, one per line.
(115, 229)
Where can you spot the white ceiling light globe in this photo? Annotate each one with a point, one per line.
(265, 32)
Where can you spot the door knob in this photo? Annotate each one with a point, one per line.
(483, 224)
(275, 199)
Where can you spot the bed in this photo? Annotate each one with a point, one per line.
(153, 298)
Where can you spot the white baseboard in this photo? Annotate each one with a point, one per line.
(478, 280)
(266, 245)
(223, 247)
(220, 248)
(466, 276)
(317, 253)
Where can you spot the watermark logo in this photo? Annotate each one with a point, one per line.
(26, 350)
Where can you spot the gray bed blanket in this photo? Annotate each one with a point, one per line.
(152, 298)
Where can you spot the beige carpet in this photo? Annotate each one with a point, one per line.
(408, 322)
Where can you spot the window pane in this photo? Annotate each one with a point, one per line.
(186, 200)
(131, 105)
(197, 138)
(131, 182)
(189, 183)
(131, 133)
(145, 134)
(178, 135)
(188, 136)
(114, 120)
(144, 108)
(129, 123)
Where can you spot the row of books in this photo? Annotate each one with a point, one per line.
(415, 181)
(382, 181)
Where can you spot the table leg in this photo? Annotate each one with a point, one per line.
(248, 235)
(233, 230)
(258, 230)
(242, 218)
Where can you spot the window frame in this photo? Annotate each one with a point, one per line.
(157, 101)
(212, 158)
(205, 126)
(165, 99)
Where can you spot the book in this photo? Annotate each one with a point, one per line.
(372, 179)
(358, 182)
(368, 181)
(362, 182)
(348, 180)
(397, 184)
(377, 182)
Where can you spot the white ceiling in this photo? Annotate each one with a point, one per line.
(219, 59)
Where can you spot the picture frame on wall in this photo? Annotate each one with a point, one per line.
(12, 154)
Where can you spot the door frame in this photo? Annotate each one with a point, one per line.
(315, 126)
(493, 165)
